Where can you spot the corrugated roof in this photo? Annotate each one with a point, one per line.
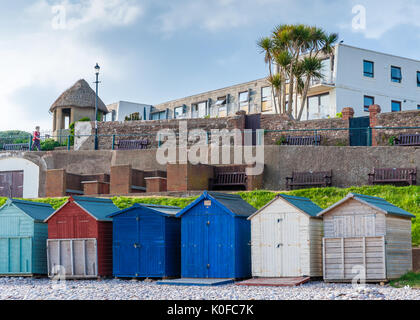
(232, 202)
(383, 205)
(304, 204)
(166, 210)
(99, 208)
(36, 210)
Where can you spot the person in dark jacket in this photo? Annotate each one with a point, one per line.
(36, 140)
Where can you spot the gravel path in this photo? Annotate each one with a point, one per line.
(45, 289)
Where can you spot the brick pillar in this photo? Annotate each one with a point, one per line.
(55, 183)
(155, 184)
(374, 110)
(348, 113)
(121, 180)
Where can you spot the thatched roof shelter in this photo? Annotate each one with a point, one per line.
(80, 95)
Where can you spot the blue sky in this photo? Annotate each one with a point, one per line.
(152, 51)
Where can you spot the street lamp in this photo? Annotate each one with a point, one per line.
(97, 69)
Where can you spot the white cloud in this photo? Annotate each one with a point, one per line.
(37, 56)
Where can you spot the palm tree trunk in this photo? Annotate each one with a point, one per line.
(273, 95)
(304, 96)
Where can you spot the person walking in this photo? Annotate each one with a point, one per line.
(37, 139)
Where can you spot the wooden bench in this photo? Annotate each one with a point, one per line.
(393, 175)
(228, 179)
(303, 141)
(133, 144)
(17, 146)
(408, 140)
(309, 179)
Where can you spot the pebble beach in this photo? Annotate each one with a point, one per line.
(117, 289)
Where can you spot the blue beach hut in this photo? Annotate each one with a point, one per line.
(23, 238)
(215, 237)
(146, 242)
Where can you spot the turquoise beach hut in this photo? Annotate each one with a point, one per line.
(23, 238)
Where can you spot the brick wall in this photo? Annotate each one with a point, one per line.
(381, 137)
(329, 138)
(150, 129)
(121, 179)
(55, 184)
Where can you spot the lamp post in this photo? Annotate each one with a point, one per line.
(97, 69)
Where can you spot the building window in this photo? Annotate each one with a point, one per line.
(266, 99)
(159, 115)
(418, 107)
(396, 106)
(179, 112)
(368, 101)
(368, 69)
(418, 79)
(244, 101)
(221, 101)
(396, 75)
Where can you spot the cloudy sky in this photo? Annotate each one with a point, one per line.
(152, 51)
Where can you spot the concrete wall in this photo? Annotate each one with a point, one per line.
(350, 165)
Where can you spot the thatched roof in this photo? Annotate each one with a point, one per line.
(80, 95)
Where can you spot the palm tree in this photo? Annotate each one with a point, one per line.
(266, 46)
(283, 60)
(276, 83)
(311, 67)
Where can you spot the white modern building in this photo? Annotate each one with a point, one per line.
(118, 111)
(352, 77)
(357, 78)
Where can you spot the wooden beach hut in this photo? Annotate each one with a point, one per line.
(215, 236)
(80, 238)
(23, 237)
(146, 242)
(366, 237)
(286, 238)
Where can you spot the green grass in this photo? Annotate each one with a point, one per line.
(407, 198)
(411, 279)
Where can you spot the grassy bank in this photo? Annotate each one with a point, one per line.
(410, 279)
(407, 198)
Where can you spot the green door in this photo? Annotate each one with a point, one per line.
(16, 256)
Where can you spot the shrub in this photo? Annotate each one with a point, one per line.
(49, 144)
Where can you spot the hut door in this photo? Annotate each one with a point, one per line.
(220, 247)
(270, 245)
(289, 239)
(16, 254)
(125, 247)
(151, 247)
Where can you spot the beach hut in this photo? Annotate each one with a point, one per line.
(146, 242)
(366, 237)
(23, 236)
(215, 236)
(80, 238)
(286, 238)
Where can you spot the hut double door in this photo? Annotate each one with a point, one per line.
(15, 255)
(209, 251)
(139, 251)
(279, 245)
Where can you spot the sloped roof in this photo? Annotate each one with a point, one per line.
(99, 208)
(375, 202)
(304, 205)
(36, 210)
(232, 202)
(79, 95)
(165, 210)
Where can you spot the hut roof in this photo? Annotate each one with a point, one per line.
(79, 95)
(98, 208)
(232, 202)
(36, 210)
(304, 205)
(165, 210)
(375, 202)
